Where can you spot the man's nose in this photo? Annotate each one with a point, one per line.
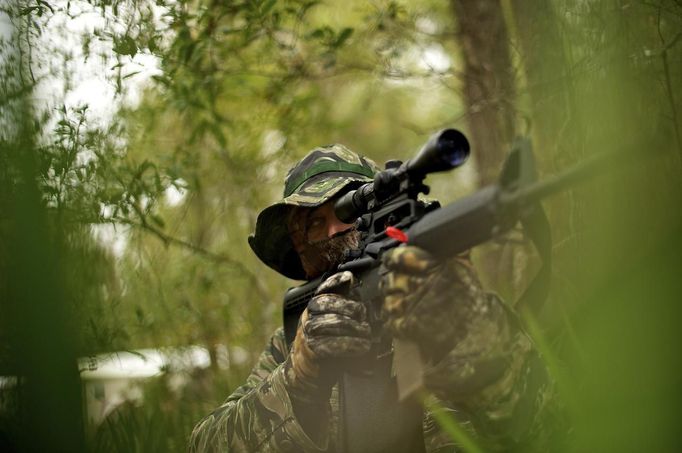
(336, 227)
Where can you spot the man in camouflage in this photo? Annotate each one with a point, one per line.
(480, 366)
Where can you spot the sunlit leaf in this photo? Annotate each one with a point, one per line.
(125, 45)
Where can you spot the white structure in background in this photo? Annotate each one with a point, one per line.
(112, 379)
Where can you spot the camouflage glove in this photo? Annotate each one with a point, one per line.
(331, 328)
(427, 301)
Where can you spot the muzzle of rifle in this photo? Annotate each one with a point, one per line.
(444, 151)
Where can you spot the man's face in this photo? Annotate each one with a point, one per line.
(319, 223)
(319, 238)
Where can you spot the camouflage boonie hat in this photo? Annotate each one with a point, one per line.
(322, 174)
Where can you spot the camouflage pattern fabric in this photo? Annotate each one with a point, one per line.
(321, 175)
(418, 290)
(336, 326)
(479, 359)
(491, 381)
(332, 327)
(258, 416)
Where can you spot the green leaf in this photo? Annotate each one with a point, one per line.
(131, 74)
(27, 11)
(125, 45)
(321, 33)
(162, 79)
(217, 133)
(343, 36)
(152, 45)
(267, 6)
(451, 426)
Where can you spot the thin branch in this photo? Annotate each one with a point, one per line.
(215, 257)
(668, 83)
(171, 240)
(30, 49)
(672, 42)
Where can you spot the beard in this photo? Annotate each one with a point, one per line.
(321, 256)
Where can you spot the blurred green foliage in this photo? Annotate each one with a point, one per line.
(131, 232)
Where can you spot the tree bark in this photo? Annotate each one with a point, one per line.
(488, 82)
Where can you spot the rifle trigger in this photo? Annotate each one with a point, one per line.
(396, 234)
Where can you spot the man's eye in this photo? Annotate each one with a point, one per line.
(315, 223)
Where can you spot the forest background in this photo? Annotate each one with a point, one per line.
(124, 213)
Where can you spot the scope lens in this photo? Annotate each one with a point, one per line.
(455, 155)
(453, 147)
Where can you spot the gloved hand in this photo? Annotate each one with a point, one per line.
(331, 328)
(429, 302)
(475, 349)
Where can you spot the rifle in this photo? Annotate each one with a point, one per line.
(388, 213)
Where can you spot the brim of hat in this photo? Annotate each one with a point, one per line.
(271, 241)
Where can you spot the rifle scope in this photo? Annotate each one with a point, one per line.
(445, 150)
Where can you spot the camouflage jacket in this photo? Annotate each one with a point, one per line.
(501, 410)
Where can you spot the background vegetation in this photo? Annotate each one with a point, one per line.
(124, 213)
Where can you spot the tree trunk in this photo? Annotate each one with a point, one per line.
(488, 83)
(488, 86)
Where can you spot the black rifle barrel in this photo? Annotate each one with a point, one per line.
(490, 211)
(567, 178)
